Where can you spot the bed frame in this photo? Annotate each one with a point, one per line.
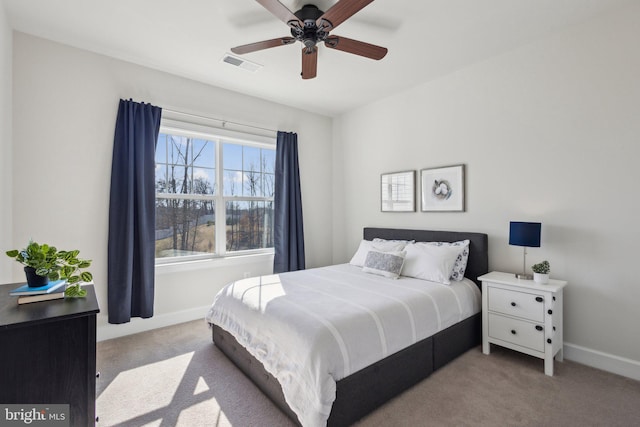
(363, 391)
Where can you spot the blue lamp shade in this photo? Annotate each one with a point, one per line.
(524, 234)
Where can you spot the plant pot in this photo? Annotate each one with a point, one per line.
(33, 280)
(541, 278)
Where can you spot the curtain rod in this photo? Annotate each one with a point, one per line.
(224, 122)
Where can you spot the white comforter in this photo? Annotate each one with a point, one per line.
(314, 327)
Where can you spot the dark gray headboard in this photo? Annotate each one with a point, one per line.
(478, 263)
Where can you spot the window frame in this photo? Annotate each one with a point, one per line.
(218, 136)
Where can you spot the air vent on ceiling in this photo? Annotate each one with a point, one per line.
(240, 62)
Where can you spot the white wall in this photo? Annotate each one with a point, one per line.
(548, 132)
(64, 109)
(5, 144)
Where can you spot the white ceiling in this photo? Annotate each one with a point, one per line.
(426, 39)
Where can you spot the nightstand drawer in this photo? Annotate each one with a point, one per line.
(515, 331)
(514, 303)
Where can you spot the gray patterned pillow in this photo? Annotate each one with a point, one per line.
(380, 246)
(387, 264)
(457, 273)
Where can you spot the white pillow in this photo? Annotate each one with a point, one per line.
(430, 262)
(460, 266)
(387, 264)
(367, 245)
(406, 242)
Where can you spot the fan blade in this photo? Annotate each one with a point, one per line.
(340, 12)
(266, 44)
(309, 62)
(356, 47)
(281, 12)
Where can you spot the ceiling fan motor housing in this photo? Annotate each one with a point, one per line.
(309, 12)
(310, 35)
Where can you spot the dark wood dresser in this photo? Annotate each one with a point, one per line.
(48, 353)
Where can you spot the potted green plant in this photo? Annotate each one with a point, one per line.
(541, 272)
(45, 262)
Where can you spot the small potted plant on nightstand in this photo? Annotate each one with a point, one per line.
(44, 262)
(541, 272)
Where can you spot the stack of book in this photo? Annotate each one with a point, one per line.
(50, 291)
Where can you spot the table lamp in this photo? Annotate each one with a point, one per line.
(526, 234)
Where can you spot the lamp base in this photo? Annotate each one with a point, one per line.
(523, 276)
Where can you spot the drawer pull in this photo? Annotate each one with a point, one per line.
(550, 311)
(549, 340)
(513, 304)
(539, 299)
(538, 328)
(513, 331)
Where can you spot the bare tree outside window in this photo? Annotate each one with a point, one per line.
(184, 225)
(187, 196)
(250, 222)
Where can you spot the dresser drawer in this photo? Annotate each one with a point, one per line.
(514, 303)
(516, 331)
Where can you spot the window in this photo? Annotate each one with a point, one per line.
(214, 192)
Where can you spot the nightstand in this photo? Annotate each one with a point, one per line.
(48, 353)
(522, 315)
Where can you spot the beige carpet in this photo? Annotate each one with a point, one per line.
(175, 376)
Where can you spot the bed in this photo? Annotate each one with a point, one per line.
(368, 387)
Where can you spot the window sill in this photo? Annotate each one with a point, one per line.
(203, 264)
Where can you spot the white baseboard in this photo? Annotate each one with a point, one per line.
(604, 361)
(108, 331)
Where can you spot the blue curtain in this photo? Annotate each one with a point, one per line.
(288, 234)
(131, 252)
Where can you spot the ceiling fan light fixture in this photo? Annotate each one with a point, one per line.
(241, 63)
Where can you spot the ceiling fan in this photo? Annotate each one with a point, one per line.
(310, 26)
